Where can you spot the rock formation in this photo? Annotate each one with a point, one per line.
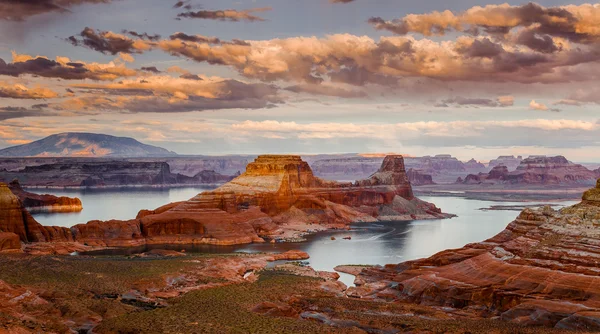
(506, 160)
(541, 270)
(107, 173)
(14, 218)
(345, 168)
(277, 197)
(49, 203)
(418, 178)
(474, 165)
(536, 170)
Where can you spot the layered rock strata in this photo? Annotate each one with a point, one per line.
(537, 170)
(418, 178)
(15, 219)
(48, 203)
(541, 270)
(278, 197)
(108, 173)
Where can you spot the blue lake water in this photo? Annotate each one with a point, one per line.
(372, 243)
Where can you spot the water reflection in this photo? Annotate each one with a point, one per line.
(371, 243)
(106, 204)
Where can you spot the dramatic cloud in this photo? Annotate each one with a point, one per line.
(226, 15)
(168, 94)
(501, 101)
(361, 60)
(62, 68)
(20, 10)
(18, 91)
(576, 23)
(109, 42)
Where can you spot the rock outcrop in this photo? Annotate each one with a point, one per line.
(538, 170)
(48, 203)
(418, 178)
(506, 160)
(278, 197)
(14, 218)
(474, 165)
(108, 173)
(9, 241)
(541, 270)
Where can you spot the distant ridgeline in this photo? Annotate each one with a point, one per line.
(74, 144)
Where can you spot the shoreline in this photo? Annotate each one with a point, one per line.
(138, 186)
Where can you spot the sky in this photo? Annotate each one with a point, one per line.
(462, 77)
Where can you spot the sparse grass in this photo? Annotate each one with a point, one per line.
(73, 286)
(225, 310)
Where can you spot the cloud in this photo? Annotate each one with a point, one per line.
(205, 39)
(575, 23)
(62, 68)
(18, 112)
(341, 1)
(361, 60)
(108, 42)
(19, 91)
(501, 101)
(168, 94)
(582, 97)
(411, 130)
(537, 106)
(152, 69)
(318, 89)
(231, 15)
(20, 10)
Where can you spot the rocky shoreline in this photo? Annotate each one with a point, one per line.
(276, 199)
(540, 271)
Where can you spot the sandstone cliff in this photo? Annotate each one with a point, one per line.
(506, 160)
(538, 170)
(107, 173)
(418, 178)
(14, 218)
(49, 203)
(277, 197)
(541, 270)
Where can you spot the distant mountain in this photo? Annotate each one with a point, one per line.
(74, 144)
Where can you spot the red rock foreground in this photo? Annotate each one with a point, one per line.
(541, 270)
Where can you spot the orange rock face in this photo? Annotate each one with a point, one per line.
(277, 197)
(541, 270)
(48, 203)
(9, 241)
(16, 219)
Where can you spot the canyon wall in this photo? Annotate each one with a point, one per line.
(542, 270)
(278, 197)
(538, 170)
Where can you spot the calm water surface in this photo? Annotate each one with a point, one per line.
(374, 243)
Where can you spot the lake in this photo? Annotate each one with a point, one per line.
(372, 243)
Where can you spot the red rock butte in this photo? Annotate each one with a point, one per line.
(278, 197)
